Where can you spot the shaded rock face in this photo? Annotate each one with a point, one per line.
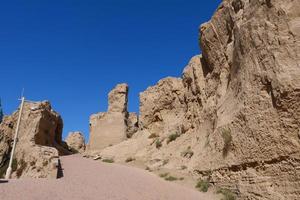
(236, 107)
(76, 142)
(115, 125)
(39, 141)
(132, 124)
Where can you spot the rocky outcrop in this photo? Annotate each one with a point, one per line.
(115, 125)
(76, 142)
(132, 124)
(39, 142)
(236, 110)
(162, 107)
(118, 99)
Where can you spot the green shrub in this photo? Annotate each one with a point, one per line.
(130, 159)
(202, 185)
(227, 138)
(172, 137)
(14, 165)
(227, 194)
(163, 175)
(153, 135)
(108, 160)
(171, 178)
(158, 144)
(168, 177)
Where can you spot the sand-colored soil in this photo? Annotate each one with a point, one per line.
(89, 180)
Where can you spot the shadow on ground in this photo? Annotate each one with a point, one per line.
(60, 172)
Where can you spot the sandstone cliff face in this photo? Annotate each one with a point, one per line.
(162, 107)
(234, 117)
(39, 142)
(115, 125)
(76, 142)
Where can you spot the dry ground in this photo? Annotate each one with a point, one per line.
(93, 180)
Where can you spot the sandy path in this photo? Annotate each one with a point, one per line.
(87, 179)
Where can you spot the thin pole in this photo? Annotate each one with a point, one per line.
(9, 169)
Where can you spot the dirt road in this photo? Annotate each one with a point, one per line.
(93, 180)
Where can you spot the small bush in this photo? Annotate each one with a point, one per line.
(181, 178)
(172, 137)
(130, 159)
(227, 138)
(183, 167)
(168, 177)
(153, 135)
(23, 166)
(14, 165)
(227, 194)
(158, 144)
(148, 168)
(171, 178)
(202, 185)
(188, 153)
(108, 160)
(163, 175)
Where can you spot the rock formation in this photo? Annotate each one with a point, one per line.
(162, 107)
(39, 142)
(236, 109)
(132, 124)
(115, 125)
(76, 142)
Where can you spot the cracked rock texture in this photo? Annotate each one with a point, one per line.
(39, 142)
(76, 142)
(234, 116)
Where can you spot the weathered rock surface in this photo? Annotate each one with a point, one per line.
(115, 125)
(236, 110)
(39, 142)
(106, 129)
(76, 142)
(162, 107)
(118, 98)
(132, 124)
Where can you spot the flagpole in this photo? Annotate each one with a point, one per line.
(9, 169)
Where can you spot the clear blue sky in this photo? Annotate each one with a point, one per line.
(74, 52)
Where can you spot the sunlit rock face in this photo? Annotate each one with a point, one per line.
(115, 125)
(236, 107)
(76, 142)
(39, 142)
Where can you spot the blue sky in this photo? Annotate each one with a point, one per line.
(73, 52)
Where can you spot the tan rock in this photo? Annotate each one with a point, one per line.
(107, 129)
(132, 124)
(162, 107)
(118, 98)
(115, 125)
(39, 142)
(238, 105)
(76, 142)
